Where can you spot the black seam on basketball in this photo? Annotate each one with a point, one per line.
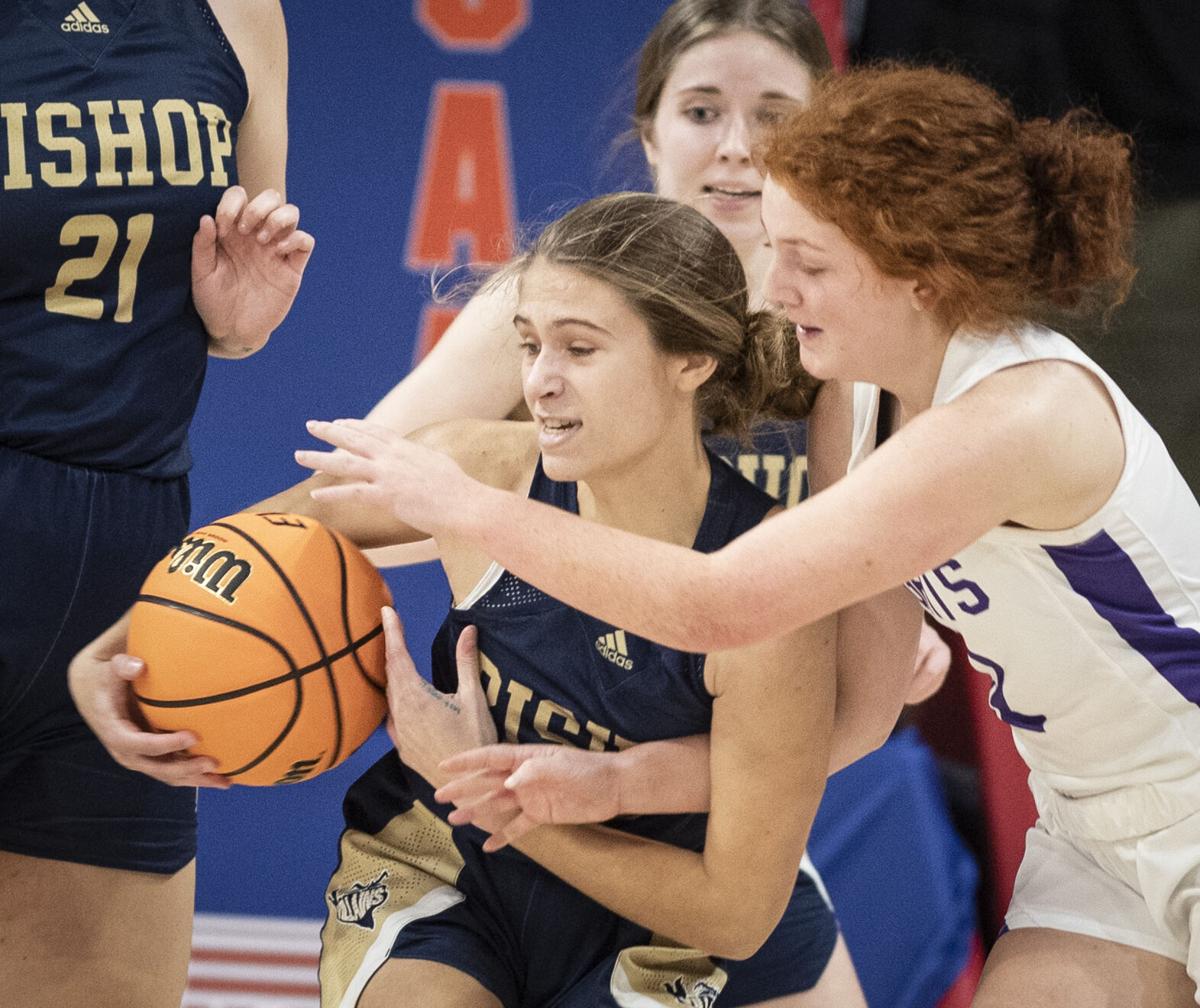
(294, 674)
(333, 690)
(287, 583)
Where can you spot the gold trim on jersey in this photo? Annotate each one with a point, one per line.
(406, 871)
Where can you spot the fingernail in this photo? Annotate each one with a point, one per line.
(262, 237)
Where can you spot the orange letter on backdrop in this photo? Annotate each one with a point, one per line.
(465, 185)
(473, 25)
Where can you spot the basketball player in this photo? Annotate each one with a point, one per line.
(918, 229)
(712, 74)
(130, 250)
(630, 334)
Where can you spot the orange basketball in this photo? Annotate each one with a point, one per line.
(261, 634)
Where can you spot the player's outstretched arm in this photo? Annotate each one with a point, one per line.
(921, 497)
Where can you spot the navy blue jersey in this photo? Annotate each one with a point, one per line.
(776, 462)
(118, 122)
(555, 674)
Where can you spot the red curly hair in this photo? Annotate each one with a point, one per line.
(933, 176)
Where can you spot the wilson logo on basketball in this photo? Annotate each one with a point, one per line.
(221, 573)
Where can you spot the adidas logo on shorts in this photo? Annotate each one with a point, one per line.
(612, 646)
(81, 19)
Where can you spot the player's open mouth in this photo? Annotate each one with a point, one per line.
(731, 193)
(555, 431)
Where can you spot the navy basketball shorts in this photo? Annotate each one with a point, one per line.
(413, 888)
(75, 546)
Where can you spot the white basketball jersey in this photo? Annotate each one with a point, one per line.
(1090, 634)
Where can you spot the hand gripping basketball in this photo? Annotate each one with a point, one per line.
(260, 635)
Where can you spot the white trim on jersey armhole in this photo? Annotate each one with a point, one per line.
(483, 586)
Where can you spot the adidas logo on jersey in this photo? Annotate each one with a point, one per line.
(612, 646)
(81, 19)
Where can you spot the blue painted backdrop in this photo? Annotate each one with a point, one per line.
(362, 80)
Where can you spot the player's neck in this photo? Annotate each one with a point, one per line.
(662, 494)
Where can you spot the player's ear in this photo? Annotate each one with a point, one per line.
(922, 295)
(693, 370)
(649, 148)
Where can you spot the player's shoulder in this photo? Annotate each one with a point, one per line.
(499, 453)
(256, 30)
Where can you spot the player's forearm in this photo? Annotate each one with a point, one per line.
(667, 776)
(663, 592)
(365, 526)
(876, 651)
(674, 892)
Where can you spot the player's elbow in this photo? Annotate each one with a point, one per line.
(737, 924)
(740, 935)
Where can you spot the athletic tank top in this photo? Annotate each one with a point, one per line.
(1091, 634)
(555, 674)
(776, 461)
(118, 123)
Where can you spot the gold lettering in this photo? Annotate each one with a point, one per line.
(104, 230)
(52, 175)
(220, 146)
(748, 466)
(600, 737)
(796, 480)
(772, 465)
(163, 111)
(17, 176)
(518, 697)
(134, 139)
(546, 709)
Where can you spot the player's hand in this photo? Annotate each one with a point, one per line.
(380, 468)
(100, 679)
(933, 662)
(425, 724)
(247, 262)
(545, 784)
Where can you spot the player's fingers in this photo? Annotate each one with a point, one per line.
(511, 833)
(399, 662)
(345, 434)
(468, 786)
(297, 249)
(350, 492)
(257, 210)
(130, 739)
(502, 757)
(279, 223)
(204, 247)
(489, 808)
(233, 200)
(193, 772)
(343, 464)
(466, 657)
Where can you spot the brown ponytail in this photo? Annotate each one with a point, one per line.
(681, 275)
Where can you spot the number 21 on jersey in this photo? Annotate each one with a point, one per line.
(107, 233)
